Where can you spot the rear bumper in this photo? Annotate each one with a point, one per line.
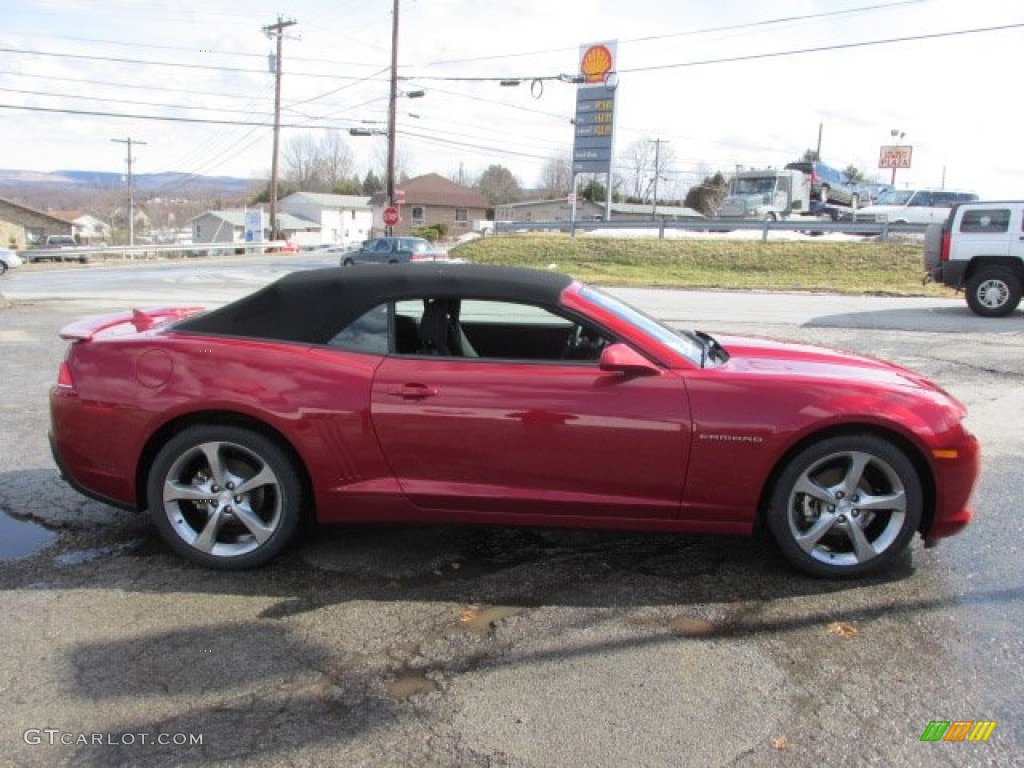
(70, 480)
(949, 273)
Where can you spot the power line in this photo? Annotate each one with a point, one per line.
(823, 48)
(178, 64)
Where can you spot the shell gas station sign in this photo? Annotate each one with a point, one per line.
(595, 108)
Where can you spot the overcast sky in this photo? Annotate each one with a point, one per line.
(953, 93)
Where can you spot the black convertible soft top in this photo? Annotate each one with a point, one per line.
(312, 305)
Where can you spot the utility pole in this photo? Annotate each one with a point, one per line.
(657, 172)
(276, 31)
(393, 98)
(131, 188)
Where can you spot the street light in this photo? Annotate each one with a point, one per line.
(898, 135)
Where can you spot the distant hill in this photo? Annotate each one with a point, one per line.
(67, 188)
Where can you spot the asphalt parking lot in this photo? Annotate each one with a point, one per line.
(462, 646)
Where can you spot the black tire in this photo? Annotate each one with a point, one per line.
(347, 263)
(993, 292)
(252, 526)
(3, 267)
(771, 216)
(814, 515)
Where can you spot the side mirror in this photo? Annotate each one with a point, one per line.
(620, 358)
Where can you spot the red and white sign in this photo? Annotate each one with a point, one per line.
(895, 156)
(399, 196)
(391, 216)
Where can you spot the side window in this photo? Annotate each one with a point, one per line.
(922, 200)
(511, 331)
(986, 220)
(367, 333)
(382, 246)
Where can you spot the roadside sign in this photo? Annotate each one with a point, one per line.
(399, 197)
(391, 217)
(895, 156)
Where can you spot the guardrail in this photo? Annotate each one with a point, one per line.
(795, 224)
(148, 251)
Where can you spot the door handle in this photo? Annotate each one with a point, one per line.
(413, 391)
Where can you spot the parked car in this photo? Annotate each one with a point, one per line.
(480, 394)
(57, 248)
(828, 184)
(913, 206)
(393, 250)
(979, 249)
(9, 260)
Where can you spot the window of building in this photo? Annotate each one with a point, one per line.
(419, 214)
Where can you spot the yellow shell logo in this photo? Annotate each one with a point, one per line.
(596, 64)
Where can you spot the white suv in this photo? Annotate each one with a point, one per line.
(913, 206)
(980, 248)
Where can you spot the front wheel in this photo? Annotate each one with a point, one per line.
(3, 267)
(846, 506)
(224, 497)
(347, 262)
(993, 292)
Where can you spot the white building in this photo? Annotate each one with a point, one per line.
(343, 219)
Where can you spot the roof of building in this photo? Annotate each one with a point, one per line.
(434, 189)
(285, 221)
(30, 209)
(328, 200)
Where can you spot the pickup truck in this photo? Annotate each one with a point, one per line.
(57, 248)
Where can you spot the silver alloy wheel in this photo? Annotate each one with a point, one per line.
(222, 499)
(993, 293)
(847, 508)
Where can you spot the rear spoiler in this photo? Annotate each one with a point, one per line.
(141, 319)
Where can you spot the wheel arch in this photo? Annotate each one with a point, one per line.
(978, 263)
(218, 418)
(910, 449)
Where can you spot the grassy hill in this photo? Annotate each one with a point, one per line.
(812, 265)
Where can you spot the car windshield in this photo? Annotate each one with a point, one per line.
(754, 186)
(680, 342)
(895, 197)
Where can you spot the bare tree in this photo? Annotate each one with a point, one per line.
(317, 165)
(556, 176)
(498, 185)
(338, 160)
(640, 163)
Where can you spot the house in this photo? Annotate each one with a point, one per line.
(87, 229)
(433, 199)
(549, 210)
(343, 219)
(229, 227)
(23, 227)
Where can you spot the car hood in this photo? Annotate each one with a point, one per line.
(768, 357)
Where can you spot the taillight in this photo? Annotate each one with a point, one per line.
(947, 240)
(64, 376)
(421, 257)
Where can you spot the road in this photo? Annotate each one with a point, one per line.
(506, 647)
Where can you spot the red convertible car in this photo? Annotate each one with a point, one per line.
(472, 394)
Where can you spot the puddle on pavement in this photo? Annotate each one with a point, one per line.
(410, 682)
(20, 539)
(481, 619)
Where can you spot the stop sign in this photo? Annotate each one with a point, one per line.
(391, 216)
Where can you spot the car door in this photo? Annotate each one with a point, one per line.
(536, 438)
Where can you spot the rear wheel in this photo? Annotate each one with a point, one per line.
(3, 267)
(347, 263)
(224, 497)
(846, 506)
(993, 292)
